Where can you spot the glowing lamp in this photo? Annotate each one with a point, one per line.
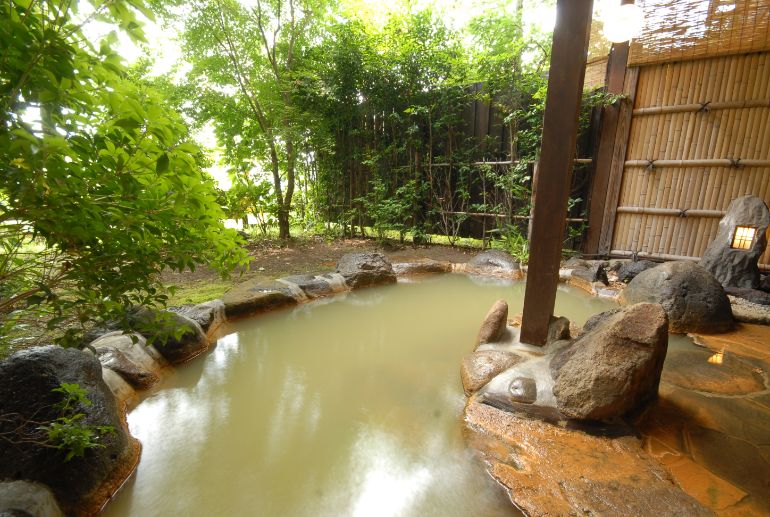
(743, 237)
(622, 22)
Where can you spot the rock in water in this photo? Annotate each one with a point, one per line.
(209, 315)
(494, 261)
(615, 367)
(27, 379)
(738, 267)
(365, 269)
(478, 368)
(129, 357)
(692, 298)
(594, 273)
(254, 296)
(176, 337)
(494, 324)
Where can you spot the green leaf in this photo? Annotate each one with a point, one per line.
(161, 165)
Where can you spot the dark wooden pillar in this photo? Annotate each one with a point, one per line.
(557, 152)
(616, 74)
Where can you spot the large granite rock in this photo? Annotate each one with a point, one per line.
(255, 296)
(495, 323)
(209, 315)
(736, 267)
(692, 298)
(479, 367)
(25, 498)
(27, 401)
(130, 357)
(496, 262)
(615, 366)
(177, 338)
(365, 269)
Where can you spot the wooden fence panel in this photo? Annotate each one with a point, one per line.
(699, 138)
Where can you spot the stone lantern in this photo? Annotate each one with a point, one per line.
(733, 255)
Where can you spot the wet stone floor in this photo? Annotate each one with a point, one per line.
(711, 424)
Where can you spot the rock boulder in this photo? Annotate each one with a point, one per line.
(25, 498)
(209, 315)
(615, 366)
(495, 323)
(496, 262)
(422, 267)
(692, 298)
(27, 378)
(738, 267)
(365, 269)
(628, 270)
(129, 357)
(255, 296)
(479, 367)
(177, 338)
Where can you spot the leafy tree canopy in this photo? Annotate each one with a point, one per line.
(101, 187)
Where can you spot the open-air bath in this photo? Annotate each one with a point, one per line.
(348, 405)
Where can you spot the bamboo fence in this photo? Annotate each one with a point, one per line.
(684, 30)
(699, 138)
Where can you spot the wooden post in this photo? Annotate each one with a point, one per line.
(616, 73)
(560, 123)
(618, 161)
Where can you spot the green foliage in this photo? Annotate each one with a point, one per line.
(101, 186)
(392, 212)
(69, 432)
(513, 241)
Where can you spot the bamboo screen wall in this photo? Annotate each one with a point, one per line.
(678, 30)
(699, 137)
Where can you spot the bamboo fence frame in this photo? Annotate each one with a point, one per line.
(699, 138)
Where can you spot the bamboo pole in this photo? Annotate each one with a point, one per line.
(710, 162)
(671, 211)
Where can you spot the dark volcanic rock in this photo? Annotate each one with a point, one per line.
(176, 337)
(27, 401)
(495, 323)
(692, 298)
(495, 261)
(737, 267)
(613, 368)
(480, 367)
(365, 269)
(209, 315)
(764, 284)
(255, 296)
(752, 295)
(628, 270)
